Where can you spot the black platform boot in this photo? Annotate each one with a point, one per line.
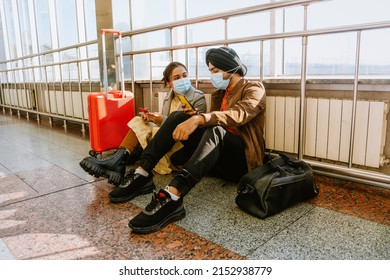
(113, 167)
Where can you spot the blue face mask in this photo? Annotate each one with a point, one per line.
(181, 86)
(218, 81)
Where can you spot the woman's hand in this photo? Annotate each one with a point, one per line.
(144, 114)
(151, 117)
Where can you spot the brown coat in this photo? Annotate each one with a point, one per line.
(246, 113)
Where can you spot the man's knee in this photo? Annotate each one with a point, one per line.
(215, 131)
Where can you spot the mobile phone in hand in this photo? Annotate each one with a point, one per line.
(143, 110)
(185, 102)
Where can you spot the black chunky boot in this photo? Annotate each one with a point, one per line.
(112, 168)
(135, 155)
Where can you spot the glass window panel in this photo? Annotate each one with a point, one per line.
(332, 54)
(90, 19)
(126, 67)
(346, 12)
(179, 35)
(44, 73)
(25, 30)
(66, 22)
(206, 31)
(294, 19)
(259, 25)
(147, 13)
(292, 56)
(64, 72)
(198, 8)
(94, 70)
(141, 66)
(181, 56)
(10, 28)
(10, 76)
(57, 73)
(203, 68)
(25, 63)
(249, 54)
(18, 76)
(2, 47)
(374, 53)
(30, 75)
(36, 72)
(156, 39)
(191, 62)
(43, 25)
(121, 15)
(73, 71)
(68, 55)
(266, 58)
(159, 61)
(121, 21)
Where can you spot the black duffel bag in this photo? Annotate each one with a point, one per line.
(276, 185)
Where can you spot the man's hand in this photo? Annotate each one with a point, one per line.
(186, 128)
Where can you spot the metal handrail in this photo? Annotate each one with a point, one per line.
(313, 32)
(285, 35)
(223, 15)
(51, 51)
(53, 64)
(295, 34)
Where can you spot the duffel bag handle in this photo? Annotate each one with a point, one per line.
(293, 161)
(260, 171)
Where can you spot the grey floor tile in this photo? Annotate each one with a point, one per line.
(230, 227)
(325, 234)
(17, 160)
(5, 253)
(50, 179)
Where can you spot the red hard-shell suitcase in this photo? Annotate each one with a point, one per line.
(109, 111)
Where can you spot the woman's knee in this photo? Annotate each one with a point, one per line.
(177, 117)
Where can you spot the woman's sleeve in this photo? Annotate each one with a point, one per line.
(200, 104)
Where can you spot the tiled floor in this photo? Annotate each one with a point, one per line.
(51, 209)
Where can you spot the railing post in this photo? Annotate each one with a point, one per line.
(225, 29)
(197, 68)
(354, 99)
(261, 61)
(303, 88)
(151, 82)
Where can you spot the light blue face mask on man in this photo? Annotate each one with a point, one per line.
(181, 86)
(218, 81)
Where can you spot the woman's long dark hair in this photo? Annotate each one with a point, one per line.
(168, 71)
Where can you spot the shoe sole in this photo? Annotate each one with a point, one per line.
(175, 216)
(148, 188)
(113, 177)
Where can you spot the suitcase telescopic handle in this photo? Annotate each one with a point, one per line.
(122, 75)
